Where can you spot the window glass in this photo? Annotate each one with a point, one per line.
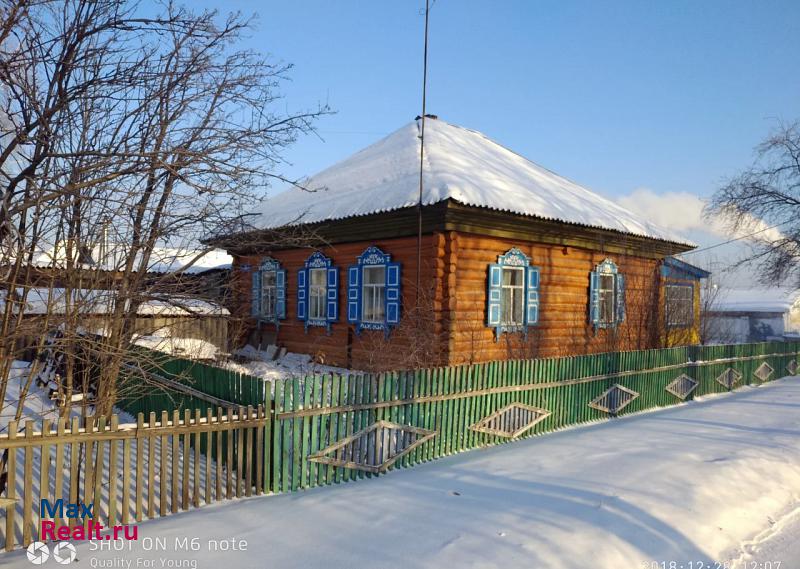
(317, 290)
(512, 300)
(374, 294)
(269, 293)
(607, 294)
(679, 309)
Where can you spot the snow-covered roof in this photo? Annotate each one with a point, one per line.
(114, 255)
(96, 301)
(756, 300)
(460, 164)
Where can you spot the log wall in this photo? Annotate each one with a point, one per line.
(415, 342)
(449, 327)
(564, 327)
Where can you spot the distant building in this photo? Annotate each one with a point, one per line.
(514, 262)
(753, 315)
(182, 296)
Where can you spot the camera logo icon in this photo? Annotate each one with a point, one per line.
(38, 553)
(64, 553)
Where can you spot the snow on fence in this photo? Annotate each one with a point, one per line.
(335, 428)
(205, 385)
(332, 428)
(131, 471)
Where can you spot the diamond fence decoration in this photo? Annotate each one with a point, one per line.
(763, 371)
(615, 399)
(791, 367)
(511, 421)
(729, 378)
(375, 448)
(682, 386)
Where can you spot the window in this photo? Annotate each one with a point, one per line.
(513, 300)
(607, 290)
(512, 303)
(679, 305)
(373, 291)
(317, 294)
(606, 295)
(269, 291)
(374, 294)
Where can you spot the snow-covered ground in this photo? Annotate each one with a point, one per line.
(162, 340)
(779, 541)
(715, 480)
(261, 364)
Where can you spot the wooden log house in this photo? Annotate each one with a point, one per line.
(513, 261)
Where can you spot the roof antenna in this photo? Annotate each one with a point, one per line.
(422, 152)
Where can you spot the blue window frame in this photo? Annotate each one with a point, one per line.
(373, 291)
(606, 295)
(268, 292)
(512, 303)
(318, 292)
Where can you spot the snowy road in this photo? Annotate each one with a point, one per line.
(711, 481)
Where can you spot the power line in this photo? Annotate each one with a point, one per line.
(736, 239)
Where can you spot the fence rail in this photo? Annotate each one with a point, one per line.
(305, 432)
(334, 428)
(128, 471)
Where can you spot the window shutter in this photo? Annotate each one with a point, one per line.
(594, 298)
(494, 295)
(302, 294)
(332, 294)
(280, 288)
(354, 294)
(620, 282)
(532, 296)
(255, 294)
(392, 293)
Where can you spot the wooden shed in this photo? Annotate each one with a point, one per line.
(504, 259)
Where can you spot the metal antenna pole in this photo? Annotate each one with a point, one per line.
(422, 151)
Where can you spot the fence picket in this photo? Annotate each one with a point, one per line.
(74, 468)
(239, 456)
(44, 467)
(112, 473)
(218, 456)
(163, 470)
(27, 499)
(59, 470)
(266, 444)
(126, 481)
(183, 441)
(209, 455)
(11, 487)
(248, 456)
(196, 443)
(229, 492)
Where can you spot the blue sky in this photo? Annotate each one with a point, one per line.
(652, 104)
(670, 96)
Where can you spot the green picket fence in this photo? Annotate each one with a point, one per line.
(217, 383)
(235, 392)
(332, 428)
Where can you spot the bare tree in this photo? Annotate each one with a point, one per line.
(139, 131)
(763, 201)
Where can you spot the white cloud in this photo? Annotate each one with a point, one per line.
(683, 212)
